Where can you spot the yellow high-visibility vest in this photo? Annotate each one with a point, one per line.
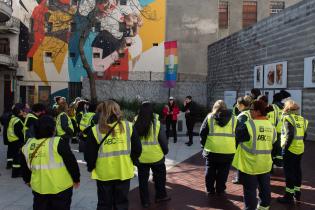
(113, 160)
(254, 156)
(49, 173)
(300, 125)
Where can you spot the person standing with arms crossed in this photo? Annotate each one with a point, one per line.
(170, 112)
(190, 115)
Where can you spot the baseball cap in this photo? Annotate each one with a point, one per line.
(171, 98)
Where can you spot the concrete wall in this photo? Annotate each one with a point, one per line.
(151, 90)
(194, 24)
(288, 36)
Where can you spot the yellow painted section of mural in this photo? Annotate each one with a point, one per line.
(61, 20)
(153, 29)
(59, 50)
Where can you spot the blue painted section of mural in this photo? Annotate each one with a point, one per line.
(76, 70)
(145, 2)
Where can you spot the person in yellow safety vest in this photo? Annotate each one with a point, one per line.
(81, 109)
(89, 119)
(154, 147)
(64, 127)
(243, 104)
(49, 167)
(72, 115)
(253, 157)
(37, 110)
(15, 139)
(293, 136)
(217, 134)
(112, 149)
(272, 115)
(277, 105)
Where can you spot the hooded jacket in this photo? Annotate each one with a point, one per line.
(222, 118)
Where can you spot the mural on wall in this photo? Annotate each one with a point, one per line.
(121, 40)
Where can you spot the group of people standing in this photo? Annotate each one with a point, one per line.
(39, 143)
(252, 137)
(170, 116)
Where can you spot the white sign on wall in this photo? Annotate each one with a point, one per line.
(275, 75)
(258, 76)
(269, 94)
(230, 98)
(309, 72)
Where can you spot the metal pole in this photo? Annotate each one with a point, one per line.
(169, 92)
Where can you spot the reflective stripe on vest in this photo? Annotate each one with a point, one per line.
(151, 149)
(297, 144)
(102, 154)
(253, 150)
(10, 131)
(221, 140)
(25, 128)
(86, 120)
(49, 173)
(211, 131)
(59, 129)
(154, 142)
(52, 163)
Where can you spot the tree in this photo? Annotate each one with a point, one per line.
(118, 21)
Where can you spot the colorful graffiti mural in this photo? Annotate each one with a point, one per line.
(120, 40)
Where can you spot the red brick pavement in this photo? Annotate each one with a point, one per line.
(185, 184)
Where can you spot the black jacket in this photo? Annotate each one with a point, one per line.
(65, 126)
(30, 124)
(91, 150)
(192, 115)
(68, 158)
(222, 118)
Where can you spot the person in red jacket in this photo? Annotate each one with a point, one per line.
(170, 112)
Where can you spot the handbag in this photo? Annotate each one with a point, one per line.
(105, 137)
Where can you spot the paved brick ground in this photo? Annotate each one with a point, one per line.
(185, 184)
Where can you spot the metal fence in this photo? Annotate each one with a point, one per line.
(149, 76)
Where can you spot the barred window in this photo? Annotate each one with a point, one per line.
(223, 14)
(249, 13)
(276, 7)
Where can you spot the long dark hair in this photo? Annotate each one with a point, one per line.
(144, 120)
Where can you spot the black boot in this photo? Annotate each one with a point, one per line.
(286, 199)
(16, 172)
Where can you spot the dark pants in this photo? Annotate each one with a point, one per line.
(169, 123)
(292, 170)
(190, 123)
(216, 175)
(112, 194)
(159, 178)
(277, 152)
(15, 150)
(250, 184)
(60, 201)
(10, 153)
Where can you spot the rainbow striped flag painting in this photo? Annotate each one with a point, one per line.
(171, 64)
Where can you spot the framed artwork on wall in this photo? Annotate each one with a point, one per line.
(258, 76)
(275, 75)
(309, 72)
